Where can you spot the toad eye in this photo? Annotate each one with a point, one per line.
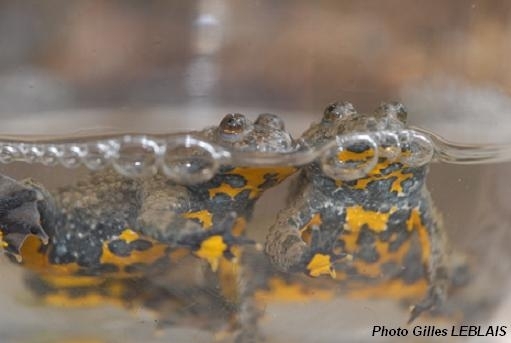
(232, 125)
(338, 110)
(270, 120)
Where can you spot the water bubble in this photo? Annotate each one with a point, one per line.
(189, 160)
(51, 155)
(9, 153)
(137, 156)
(69, 155)
(30, 153)
(389, 145)
(99, 154)
(416, 148)
(352, 157)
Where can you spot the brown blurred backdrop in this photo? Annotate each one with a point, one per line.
(295, 54)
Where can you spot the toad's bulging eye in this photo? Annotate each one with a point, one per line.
(270, 120)
(338, 110)
(233, 124)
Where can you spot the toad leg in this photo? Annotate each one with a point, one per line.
(164, 216)
(290, 252)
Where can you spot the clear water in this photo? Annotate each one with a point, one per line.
(472, 197)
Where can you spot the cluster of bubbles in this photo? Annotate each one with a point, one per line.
(408, 147)
(188, 159)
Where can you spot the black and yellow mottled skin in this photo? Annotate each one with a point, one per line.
(108, 238)
(93, 241)
(378, 235)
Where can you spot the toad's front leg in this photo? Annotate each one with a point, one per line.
(297, 243)
(166, 216)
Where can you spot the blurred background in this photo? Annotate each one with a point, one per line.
(68, 66)
(290, 56)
